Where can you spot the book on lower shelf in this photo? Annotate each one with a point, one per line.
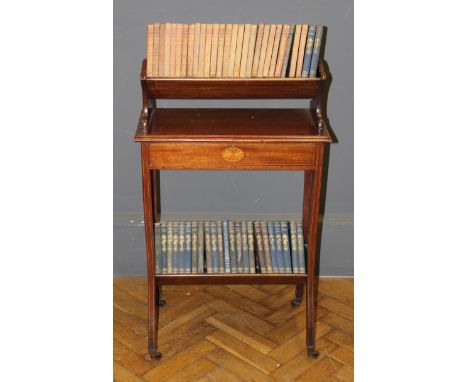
(229, 247)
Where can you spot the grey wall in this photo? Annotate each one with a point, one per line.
(212, 193)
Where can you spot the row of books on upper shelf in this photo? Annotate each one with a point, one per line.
(229, 247)
(233, 50)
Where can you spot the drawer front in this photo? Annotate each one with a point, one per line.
(193, 155)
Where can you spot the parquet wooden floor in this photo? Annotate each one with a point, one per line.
(233, 333)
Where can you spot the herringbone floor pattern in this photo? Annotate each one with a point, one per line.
(233, 333)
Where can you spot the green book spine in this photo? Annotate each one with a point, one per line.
(194, 248)
(209, 263)
(188, 247)
(238, 234)
(175, 247)
(214, 247)
(157, 248)
(300, 247)
(164, 247)
(279, 247)
(266, 247)
(232, 246)
(226, 247)
(308, 51)
(251, 246)
(201, 248)
(245, 247)
(286, 247)
(170, 240)
(219, 230)
(259, 242)
(316, 52)
(272, 240)
(181, 257)
(294, 253)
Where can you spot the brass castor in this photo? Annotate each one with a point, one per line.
(155, 354)
(161, 303)
(296, 302)
(312, 353)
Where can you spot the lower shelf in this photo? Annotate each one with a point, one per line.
(206, 279)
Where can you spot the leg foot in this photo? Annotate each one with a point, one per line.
(312, 353)
(161, 303)
(154, 354)
(296, 302)
(298, 297)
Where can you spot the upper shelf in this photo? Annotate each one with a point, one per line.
(232, 88)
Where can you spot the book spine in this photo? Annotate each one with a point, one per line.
(185, 32)
(308, 51)
(219, 230)
(274, 54)
(194, 247)
(157, 248)
(269, 50)
(286, 247)
(259, 242)
(150, 50)
(232, 50)
(201, 53)
(220, 57)
(251, 246)
(162, 36)
(232, 246)
(209, 261)
(251, 50)
(175, 247)
(316, 51)
(300, 247)
(245, 247)
(179, 38)
(239, 259)
(170, 240)
(272, 242)
(214, 247)
(201, 248)
(208, 39)
(167, 48)
(196, 48)
(287, 52)
(157, 28)
(164, 247)
(227, 50)
(245, 50)
(258, 48)
(266, 247)
(238, 57)
(295, 50)
(182, 252)
(300, 55)
(282, 50)
(173, 51)
(214, 50)
(188, 247)
(294, 254)
(190, 43)
(279, 247)
(226, 249)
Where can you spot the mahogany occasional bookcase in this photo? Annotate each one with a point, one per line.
(233, 139)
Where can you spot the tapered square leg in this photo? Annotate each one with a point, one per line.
(299, 294)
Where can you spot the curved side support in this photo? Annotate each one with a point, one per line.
(317, 107)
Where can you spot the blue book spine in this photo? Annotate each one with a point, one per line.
(209, 261)
(245, 248)
(188, 247)
(251, 246)
(279, 247)
(308, 51)
(286, 247)
(170, 246)
(316, 52)
(200, 249)
(164, 247)
(175, 247)
(266, 248)
(260, 251)
(271, 239)
(287, 52)
(194, 247)
(214, 247)
(238, 234)
(226, 247)
(300, 247)
(181, 263)
(232, 246)
(157, 249)
(219, 230)
(294, 254)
